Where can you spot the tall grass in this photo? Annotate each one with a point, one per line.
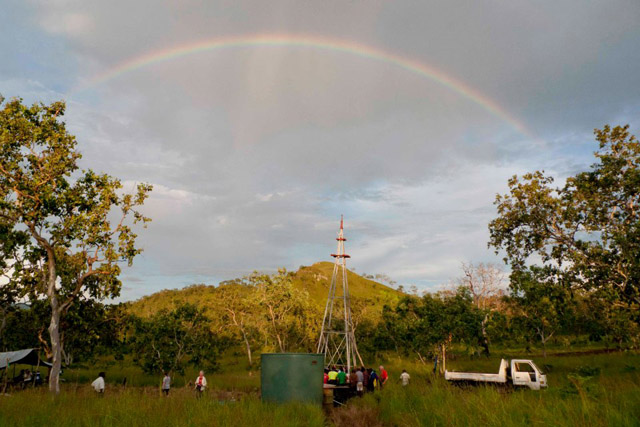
(594, 390)
(441, 404)
(590, 390)
(147, 407)
(117, 372)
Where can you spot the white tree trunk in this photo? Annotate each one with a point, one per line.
(246, 342)
(56, 348)
(54, 326)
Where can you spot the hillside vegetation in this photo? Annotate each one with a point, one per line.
(254, 314)
(368, 297)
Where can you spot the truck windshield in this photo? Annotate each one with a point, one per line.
(524, 367)
(537, 369)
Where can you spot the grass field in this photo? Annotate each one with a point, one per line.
(589, 389)
(141, 406)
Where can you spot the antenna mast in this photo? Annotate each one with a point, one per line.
(337, 340)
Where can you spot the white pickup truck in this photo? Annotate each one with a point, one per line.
(522, 373)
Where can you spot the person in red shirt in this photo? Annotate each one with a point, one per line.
(326, 376)
(201, 384)
(383, 376)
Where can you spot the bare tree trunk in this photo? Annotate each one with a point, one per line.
(54, 326)
(67, 357)
(56, 348)
(275, 329)
(280, 344)
(485, 338)
(246, 343)
(544, 340)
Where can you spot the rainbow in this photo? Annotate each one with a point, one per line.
(321, 43)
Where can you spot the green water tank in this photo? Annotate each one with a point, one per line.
(287, 377)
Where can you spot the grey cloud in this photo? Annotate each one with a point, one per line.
(255, 152)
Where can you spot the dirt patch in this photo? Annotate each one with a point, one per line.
(355, 416)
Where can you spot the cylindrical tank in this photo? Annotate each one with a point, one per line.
(287, 377)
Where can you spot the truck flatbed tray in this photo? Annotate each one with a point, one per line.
(471, 376)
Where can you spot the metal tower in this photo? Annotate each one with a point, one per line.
(337, 340)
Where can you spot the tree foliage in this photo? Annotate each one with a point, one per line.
(421, 324)
(585, 234)
(283, 311)
(541, 303)
(170, 340)
(589, 229)
(73, 249)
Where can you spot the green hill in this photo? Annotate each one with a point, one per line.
(367, 296)
(316, 280)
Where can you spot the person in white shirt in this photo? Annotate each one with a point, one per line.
(166, 384)
(98, 383)
(404, 377)
(201, 384)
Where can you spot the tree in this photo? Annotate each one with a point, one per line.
(384, 278)
(542, 302)
(237, 308)
(73, 248)
(11, 258)
(431, 323)
(170, 340)
(7, 301)
(484, 282)
(283, 310)
(599, 317)
(587, 230)
(21, 329)
(88, 328)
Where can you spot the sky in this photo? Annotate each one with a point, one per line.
(260, 123)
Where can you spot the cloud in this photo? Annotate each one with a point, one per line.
(254, 152)
(71, 24)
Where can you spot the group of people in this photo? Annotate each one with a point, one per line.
(26, 377)
(200, 384)
(361, 379)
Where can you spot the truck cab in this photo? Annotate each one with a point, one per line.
(525, 373)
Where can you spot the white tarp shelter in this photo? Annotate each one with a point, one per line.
(27, 356)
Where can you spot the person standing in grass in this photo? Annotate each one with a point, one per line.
(404, 377)
(333, 376)
(98, 384)
(353, 381)
(360, 382)
(373, 379)
(383, 376)
(26, 379)
(201, 384)
(342, 377)
(166, 384)
(365, 377)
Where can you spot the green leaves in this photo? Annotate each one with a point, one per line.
(168, 341)
(70, 248)
(589, 228)
(65, 212)
(422, 323)
(586, 235)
